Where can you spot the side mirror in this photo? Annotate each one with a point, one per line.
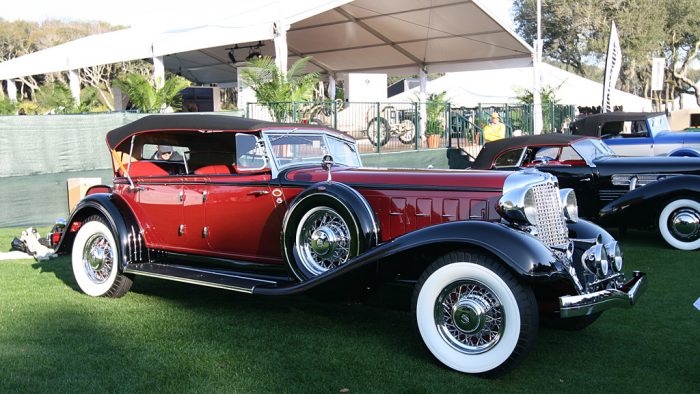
(327, 165)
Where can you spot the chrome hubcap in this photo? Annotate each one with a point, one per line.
(685, 224)
(98, 258)
(469, 316)
(323, 242)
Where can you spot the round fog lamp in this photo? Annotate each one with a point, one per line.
(602, 260)
(614, 255)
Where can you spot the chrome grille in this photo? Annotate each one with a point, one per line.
(551, 225)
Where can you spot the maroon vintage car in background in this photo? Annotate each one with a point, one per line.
(279, 209)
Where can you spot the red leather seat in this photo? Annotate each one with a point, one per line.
(218, 169)
(144, 168)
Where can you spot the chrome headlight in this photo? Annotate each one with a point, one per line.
(519, 205)
(614, 255)
(569, 204)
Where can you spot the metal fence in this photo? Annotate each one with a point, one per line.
(393, 126)
(377, 127)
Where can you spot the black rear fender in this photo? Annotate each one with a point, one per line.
(119, 218)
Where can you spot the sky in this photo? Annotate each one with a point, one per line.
(142, 12)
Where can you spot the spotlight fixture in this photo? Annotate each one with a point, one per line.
(253, 51)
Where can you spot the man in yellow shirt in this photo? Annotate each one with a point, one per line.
(494, 130)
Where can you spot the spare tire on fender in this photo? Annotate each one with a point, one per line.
(326, 225)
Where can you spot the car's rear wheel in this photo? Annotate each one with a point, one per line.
(679, 223)
(473, 314)
(95, 260)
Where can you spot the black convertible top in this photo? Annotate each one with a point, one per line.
(491, 149)
(195, 122)
(591, 124)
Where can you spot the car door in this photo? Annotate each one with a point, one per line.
(628, 138)
(243, 217)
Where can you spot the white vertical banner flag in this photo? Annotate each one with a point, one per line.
(658, 66)
(613, 62)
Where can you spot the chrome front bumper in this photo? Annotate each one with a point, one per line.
(588, 304)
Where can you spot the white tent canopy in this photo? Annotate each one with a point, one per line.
(471, 88)
(342, 36)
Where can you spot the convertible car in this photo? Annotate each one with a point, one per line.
(278, 209)
(638, 134)
(661, 192)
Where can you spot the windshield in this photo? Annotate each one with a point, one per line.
(659, 123)
(297, 147)
(591, 149)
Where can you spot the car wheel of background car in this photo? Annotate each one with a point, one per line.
(95, 260)
(473, 314)
(569, 324)
(408, 136)
(679, 224)
(384, 133)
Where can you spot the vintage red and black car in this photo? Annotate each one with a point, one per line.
(656, 192)
(277, 209)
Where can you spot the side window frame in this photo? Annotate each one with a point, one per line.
(516, 164)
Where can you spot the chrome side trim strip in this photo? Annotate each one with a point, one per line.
(588, 304)
(190, 281)
(227, 275)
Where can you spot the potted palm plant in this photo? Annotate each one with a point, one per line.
(279, 88)
(434, 126)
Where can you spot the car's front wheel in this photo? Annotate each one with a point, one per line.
(95, 260)
(679, 224)
(473, 314)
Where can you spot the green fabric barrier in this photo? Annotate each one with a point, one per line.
(39, 153)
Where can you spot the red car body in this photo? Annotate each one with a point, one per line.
(280, 209)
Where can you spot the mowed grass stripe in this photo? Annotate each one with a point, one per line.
(172, 337)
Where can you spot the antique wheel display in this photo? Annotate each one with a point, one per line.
(384, 132)
(679, 224)
(95, 260)
(408, 135)
(473, 315)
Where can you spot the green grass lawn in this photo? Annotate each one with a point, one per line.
(166, 336)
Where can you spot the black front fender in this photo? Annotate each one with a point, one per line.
(523, 253)
(118, 216)
(647, 198)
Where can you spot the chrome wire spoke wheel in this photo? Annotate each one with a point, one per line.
(469, 316)
(322, 240)
(98, 258)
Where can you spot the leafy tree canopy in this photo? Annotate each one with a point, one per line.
(575, 35)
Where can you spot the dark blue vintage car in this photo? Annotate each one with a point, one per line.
(638, 134)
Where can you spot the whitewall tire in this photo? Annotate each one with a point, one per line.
(679, 224)
(473, 315)
(95, 261)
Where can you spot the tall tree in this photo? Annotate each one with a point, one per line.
(575, 34)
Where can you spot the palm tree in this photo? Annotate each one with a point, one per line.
(276, 88)
(145, 96)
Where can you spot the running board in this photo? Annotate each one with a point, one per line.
(199, 276)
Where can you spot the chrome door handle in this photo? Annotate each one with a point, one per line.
(584, 180)
(258, 193)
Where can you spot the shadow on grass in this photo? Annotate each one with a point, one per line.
(180, 337)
